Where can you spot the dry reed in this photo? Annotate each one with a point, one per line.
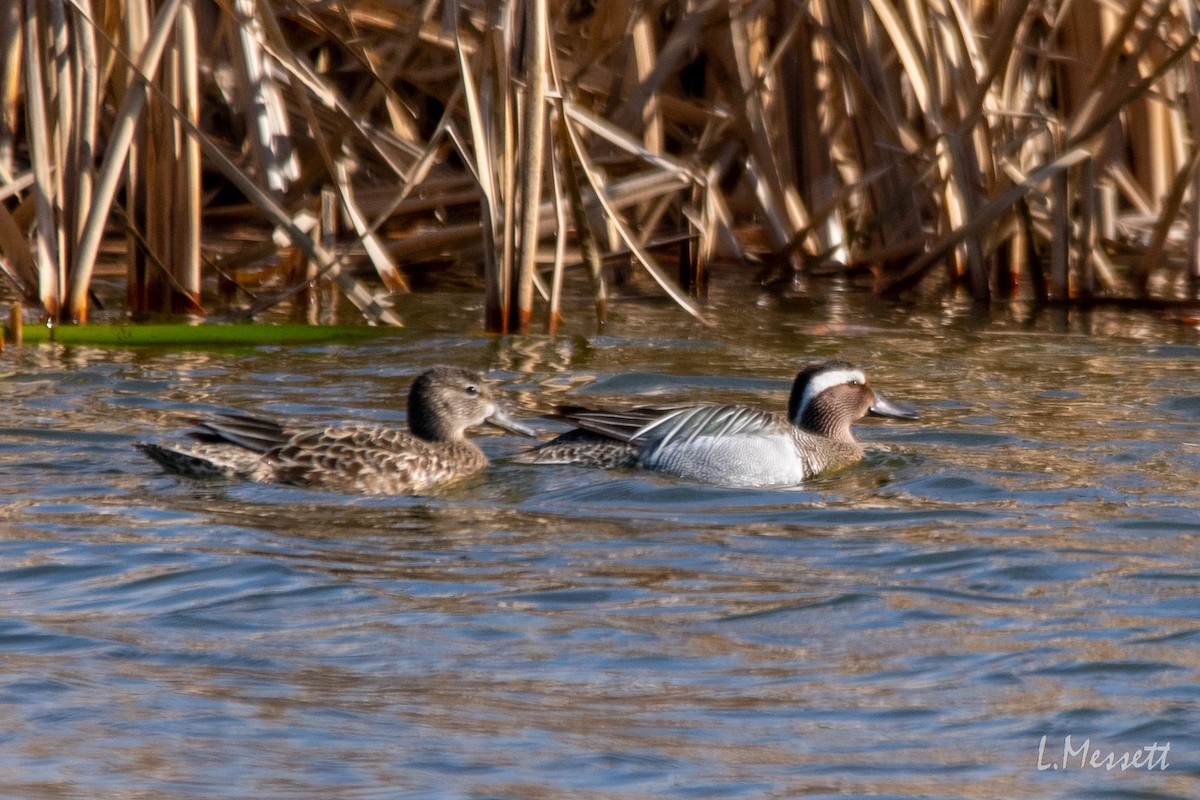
(1034, 147)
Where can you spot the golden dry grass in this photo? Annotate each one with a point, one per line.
(1047, 149)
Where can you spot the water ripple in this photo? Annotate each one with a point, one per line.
(908, 628)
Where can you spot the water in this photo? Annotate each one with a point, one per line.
(1020, 563)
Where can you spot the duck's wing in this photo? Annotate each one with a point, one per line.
(681, 427)
(357, 436)
(252, 433)
(620, 424)
(647, 434)
(226, 445)
(664, 425)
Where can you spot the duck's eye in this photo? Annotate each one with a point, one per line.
(472, 389)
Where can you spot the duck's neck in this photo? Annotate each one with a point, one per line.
(425, 423)
(824, 423)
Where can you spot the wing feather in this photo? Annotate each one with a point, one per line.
(663, 426)
(683, 427)
(252, 433)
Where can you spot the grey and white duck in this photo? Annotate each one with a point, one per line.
(443, 403)
(731, 445)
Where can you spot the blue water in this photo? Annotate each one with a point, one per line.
(1023, 562)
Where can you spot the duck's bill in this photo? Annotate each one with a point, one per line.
(501, 419)
(883, 407)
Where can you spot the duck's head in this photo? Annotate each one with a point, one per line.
(829, 397)
(444, 401)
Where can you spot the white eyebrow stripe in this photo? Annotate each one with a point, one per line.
(827, 380)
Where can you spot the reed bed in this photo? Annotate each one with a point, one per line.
(1043, 149)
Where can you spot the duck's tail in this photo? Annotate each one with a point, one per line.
(205, 461)
(582, 448)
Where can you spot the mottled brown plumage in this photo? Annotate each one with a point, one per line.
(365, 459)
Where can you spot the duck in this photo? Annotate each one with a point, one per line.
(730, 445)
(443, 402)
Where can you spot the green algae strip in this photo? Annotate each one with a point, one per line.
(155, 334)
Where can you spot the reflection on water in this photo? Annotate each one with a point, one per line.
(1022, 562)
